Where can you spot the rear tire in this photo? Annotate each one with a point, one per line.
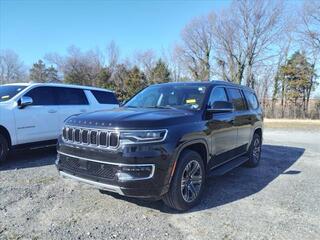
(4, 148)
(254, 152)
(187, 183)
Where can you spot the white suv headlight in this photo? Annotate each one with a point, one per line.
(142, 136)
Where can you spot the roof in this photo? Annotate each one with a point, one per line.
(59, 85)
(210, 83)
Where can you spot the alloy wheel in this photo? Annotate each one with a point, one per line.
(191, 181)
(256, 150)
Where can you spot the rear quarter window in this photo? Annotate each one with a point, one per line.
(105, 97)
(237, 99)
(251, 100)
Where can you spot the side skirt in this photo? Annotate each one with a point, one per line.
(228, 166)
(35, 145)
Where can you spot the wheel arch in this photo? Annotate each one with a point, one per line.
(199, 145)
(6, 134)
(258, 130)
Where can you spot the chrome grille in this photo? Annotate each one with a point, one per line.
(92, 137)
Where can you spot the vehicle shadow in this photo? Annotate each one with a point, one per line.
(240, 182)
(30, 158)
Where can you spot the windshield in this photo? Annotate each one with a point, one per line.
(170, 96)
(8, 92)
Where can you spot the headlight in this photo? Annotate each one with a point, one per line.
(142, 136)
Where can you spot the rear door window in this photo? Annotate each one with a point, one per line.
(42, 96)
(251, 100)
(236, 98)
(71, 96)
(105, 97)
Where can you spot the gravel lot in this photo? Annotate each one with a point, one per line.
(277, 200)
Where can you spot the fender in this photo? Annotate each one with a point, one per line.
(183, 146)
(258, 126)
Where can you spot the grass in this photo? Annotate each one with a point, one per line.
(307, 124)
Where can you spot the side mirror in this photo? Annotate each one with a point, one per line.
(221, 107)
(25, 101)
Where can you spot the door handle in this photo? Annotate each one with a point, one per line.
(52, 111)
(83, 110)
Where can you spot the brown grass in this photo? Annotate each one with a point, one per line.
(292, 123)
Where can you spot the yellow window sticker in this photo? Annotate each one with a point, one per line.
(5, 97)
(191, 101)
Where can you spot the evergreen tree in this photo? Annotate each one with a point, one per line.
(52, 74)
(135, 81)
(297, 77)
(38, 72)
(160, 73)
(103, 79)
(75, 77)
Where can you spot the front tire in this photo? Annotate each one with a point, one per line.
(4, 148)
(254, 152)
(187, 183)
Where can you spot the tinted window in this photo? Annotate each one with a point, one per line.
(71, 96)
(42, 96)
(217, 94)
(8, 92)
(105, 97)
(251, 100)
(237, 99)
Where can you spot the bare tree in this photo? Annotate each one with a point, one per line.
(113, 55)
(78, 67)
(172, 60)
(229, 51)
(284, 46)
(11, 68)
(311, 23)
(195, 52)
(146, 60)
(245, 34)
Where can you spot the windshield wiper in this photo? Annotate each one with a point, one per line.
(130, 106)
(164, 107)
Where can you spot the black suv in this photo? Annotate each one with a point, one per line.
(165, 141)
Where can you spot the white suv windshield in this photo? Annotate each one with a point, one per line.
(8, 92)
(170, 96)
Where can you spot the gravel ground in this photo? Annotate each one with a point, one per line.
(277, 200)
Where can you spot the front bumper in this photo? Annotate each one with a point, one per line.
(103, 186)
(128, 172)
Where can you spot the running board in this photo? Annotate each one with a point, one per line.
(226, 167)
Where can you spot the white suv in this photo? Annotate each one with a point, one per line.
(32, 114)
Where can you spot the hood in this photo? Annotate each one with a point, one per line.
(134, 118)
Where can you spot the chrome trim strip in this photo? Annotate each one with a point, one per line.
(116, 164)
(73, 135)
(98, 185)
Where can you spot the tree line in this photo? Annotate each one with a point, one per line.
(268, 45)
